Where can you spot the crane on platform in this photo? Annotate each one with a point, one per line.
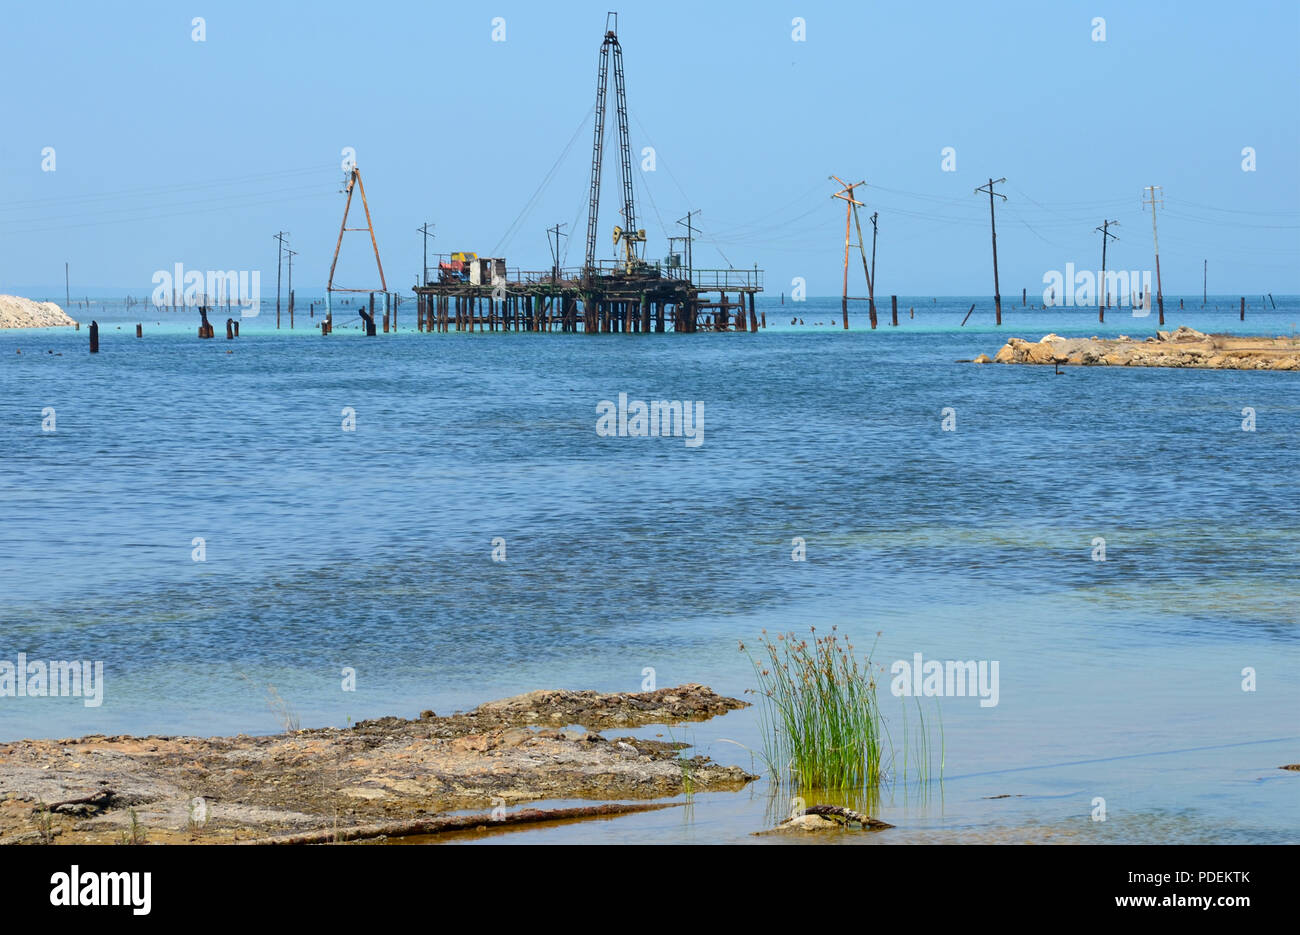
(627, 233)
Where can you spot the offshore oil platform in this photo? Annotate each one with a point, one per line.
(467, 292)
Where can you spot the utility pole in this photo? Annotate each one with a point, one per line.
(997, 292)
(690, 237)
(555, 248)
(1156, 193)
(1106, 235)
(279, 258)
(425, 230)
(871, 280)
(851, 217)
(291, 254)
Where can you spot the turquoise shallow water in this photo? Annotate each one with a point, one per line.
(372, 549)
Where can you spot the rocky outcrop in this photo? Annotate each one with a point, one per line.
(1185, 347)
(502, 754)
(821, 818)
(17, 312)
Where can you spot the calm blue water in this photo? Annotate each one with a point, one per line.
(372, 549)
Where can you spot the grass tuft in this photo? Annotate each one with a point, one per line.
(821, 723)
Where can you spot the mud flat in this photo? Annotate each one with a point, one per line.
(1185, 347)
(377, 777)
(17, 312)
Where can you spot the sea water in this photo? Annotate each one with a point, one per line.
(347, 497)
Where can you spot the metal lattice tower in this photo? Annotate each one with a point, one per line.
(628, 231)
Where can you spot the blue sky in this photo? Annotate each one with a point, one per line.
(169, 150)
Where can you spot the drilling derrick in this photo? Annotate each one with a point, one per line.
(626, 233)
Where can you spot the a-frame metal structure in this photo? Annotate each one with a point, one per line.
(627, 232)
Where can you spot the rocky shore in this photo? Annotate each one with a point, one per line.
(1185, 347)
(17, 312)
(382, 777)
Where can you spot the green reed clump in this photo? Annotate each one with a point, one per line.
(821, 723)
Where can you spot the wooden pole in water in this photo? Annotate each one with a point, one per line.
(993, 228)
(1155, 239)
(279, 261)
(1106, 237)
(236, 328)
(972, 308)
(1023, 295)
(1243, 308)
(844, 302)
(230, 329)
(94, 337)
(871, 280)
(893, 312)
(846, 195)
(139, 330)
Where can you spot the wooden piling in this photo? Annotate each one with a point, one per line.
(230, 329)
(972, 308)
(236, 328)
(139, 330)
(94, 337)
(1243, 308)
(893, 313)
(753, 316)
